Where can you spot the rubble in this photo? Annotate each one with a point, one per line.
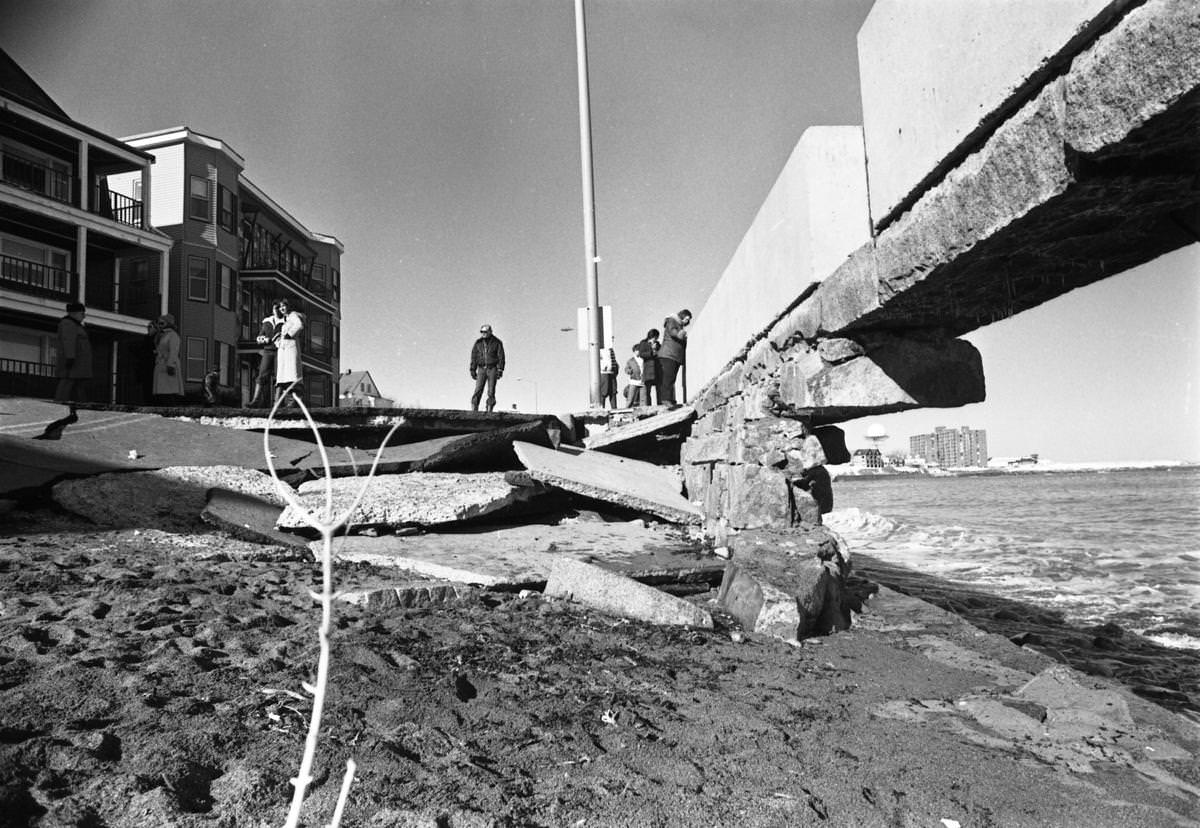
(617, 595)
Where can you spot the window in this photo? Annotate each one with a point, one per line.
(197, 279)
(249, 324)
(198, 199)
(318, 335)
(224, 362)
(225, 286)
(197, 359)
(227, 217)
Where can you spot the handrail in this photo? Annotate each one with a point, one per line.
(41, 278)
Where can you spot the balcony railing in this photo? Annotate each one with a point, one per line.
(116, 206)
(36, 278)
(26, 379)
(33, 175)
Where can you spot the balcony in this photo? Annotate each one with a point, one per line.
(26, 379)
(28, 174)
(115, 206)
(38, 279)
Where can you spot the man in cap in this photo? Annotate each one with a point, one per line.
(487, 366)
(74, 365)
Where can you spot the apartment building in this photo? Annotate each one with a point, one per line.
(947, 447)
(66, 236)
(236, 251)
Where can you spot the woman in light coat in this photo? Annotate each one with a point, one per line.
(168, 372)
(287, 365)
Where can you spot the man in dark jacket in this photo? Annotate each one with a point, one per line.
(647, 351)
(487, 366)
(74, 365)
(670, 357)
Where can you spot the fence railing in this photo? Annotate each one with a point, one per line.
(34, 277)
(116, 206)
(33, 175)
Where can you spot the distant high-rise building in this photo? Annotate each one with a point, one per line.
(961, 448)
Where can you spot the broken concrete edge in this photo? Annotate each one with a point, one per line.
(641, 427)
(615, 594)
(1091, 122)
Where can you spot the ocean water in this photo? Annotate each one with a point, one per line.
(1119, 546)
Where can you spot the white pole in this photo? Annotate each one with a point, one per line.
(594, 324)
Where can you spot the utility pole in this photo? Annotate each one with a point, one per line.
(595, 326)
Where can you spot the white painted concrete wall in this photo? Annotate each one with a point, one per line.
(813, 218)
(932, 70)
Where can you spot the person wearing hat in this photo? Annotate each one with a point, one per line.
(670, 356)
(168, 372)
(487, 366)
(73, 366)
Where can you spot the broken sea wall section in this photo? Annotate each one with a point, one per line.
(1091, 171)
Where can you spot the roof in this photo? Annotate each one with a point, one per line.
(17, 85)
(350, 381)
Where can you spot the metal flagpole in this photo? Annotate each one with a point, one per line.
(594, 323)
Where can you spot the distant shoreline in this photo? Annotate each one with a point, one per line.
(850, 473)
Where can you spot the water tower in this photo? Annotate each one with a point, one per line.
(877, 435)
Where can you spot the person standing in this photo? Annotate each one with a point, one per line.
(487, 366)
(671, 355)
(287, 368)
(168, 373)
(73, 366)
(608, 377)
(636, 388)
(647, 351)
(268, 338)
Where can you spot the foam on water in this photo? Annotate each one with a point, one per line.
(1078, 546)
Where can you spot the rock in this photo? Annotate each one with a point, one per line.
(788, 592)
(758, 497)
(617, 595)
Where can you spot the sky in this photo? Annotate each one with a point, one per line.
(439, 142)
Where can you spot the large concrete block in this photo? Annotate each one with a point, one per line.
(758, 497)
(787, 594)
(894, 375)
(814, 216)
(937, 74)
(617, 595)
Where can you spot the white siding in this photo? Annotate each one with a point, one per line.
(166, 184)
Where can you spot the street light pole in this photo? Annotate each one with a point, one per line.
(594, 324)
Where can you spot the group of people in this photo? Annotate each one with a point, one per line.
(653, 368)
(279, 363)
(279, 366)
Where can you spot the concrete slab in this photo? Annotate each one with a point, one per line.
(247, 517)
(481, 451)
(618, 480)
(406, 595)
(171, 498)
(43, 441)
(643, 438)
(522, 556)
(618, 595)
(936, 74)
(416, 499)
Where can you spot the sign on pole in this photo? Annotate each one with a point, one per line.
(581, 326)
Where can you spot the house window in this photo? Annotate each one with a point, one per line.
(198, 198)
(225, 286)
(197, 279)
(197, 359)
(224, 363)
(227, 217)
(318, 335)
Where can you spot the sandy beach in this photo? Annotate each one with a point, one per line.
(154, 679)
